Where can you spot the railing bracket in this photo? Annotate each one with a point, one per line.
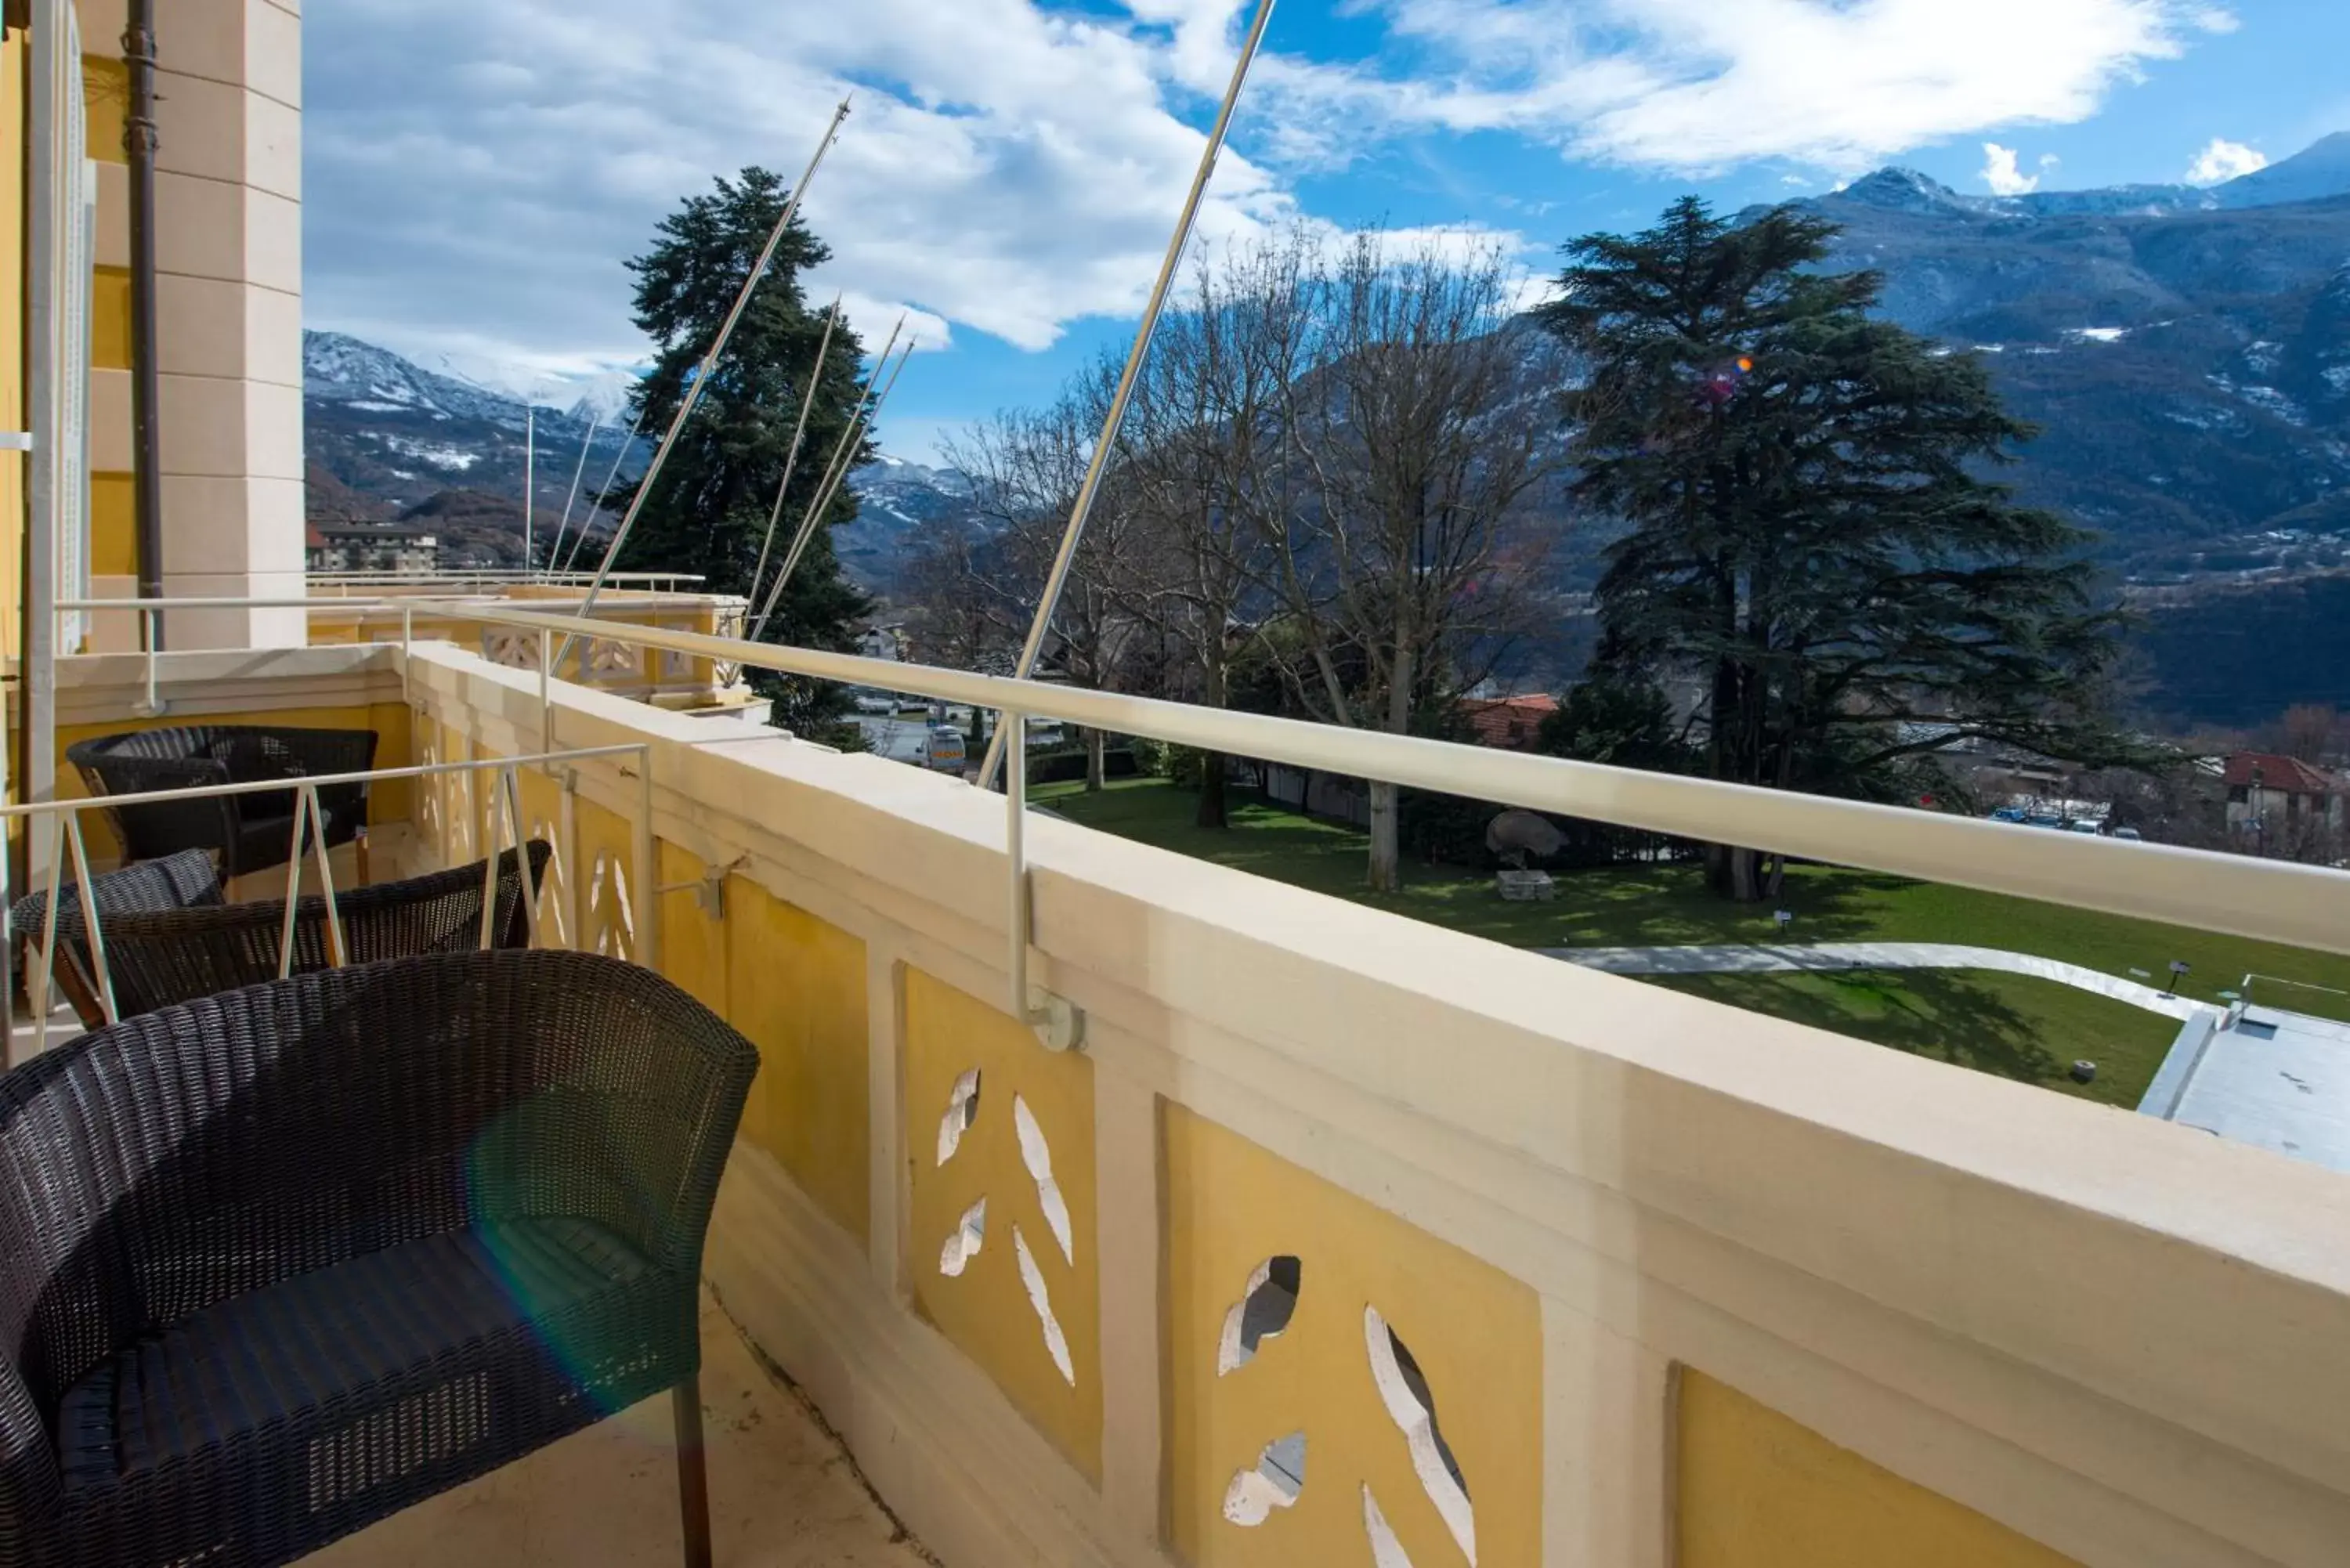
(1059, 1023)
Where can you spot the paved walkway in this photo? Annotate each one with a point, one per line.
(783, 1493)
(1741, 959)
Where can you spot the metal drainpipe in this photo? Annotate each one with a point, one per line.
(146, 395)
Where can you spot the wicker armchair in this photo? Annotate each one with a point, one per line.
(283, 1261)
(249, 832)
(160, 958)
(182, 881)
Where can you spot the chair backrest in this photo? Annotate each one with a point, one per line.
(162, 958)
(181, 1158)
(187, 756)
(187, 880)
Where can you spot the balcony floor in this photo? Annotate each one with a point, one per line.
(783, 1493)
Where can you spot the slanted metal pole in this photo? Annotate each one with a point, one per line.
(709, 367)
(844, 458)
(611, 475)
(1115, 419)
(799, 434)
(88, 900)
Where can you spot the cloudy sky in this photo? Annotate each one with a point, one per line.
(476, 171)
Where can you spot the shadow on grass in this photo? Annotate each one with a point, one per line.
(1943, 1015)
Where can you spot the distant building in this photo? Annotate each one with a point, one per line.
(372, 547)
(883, 642)
(1507, 723)
(2273, 794)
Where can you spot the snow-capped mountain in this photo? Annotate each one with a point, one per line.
(398, 434)
(388, 435)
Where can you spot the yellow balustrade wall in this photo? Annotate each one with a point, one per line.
(999, 1140)
(1411, 1372)
(1335, 1245)
(666, 679)
(1758, 1490)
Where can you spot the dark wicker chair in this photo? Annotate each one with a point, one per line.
(281, 1262)
(183, 881)
(249, 832)
(164, 957)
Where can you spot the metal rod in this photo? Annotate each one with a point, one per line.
(1018, 920)
(568, 826)
(647, 902)
(88, 899)
(611, 476)
(1116, 417)
(799, 434)
(140, 145)
(261, 786)
(154, 619)
(515, 826)
(302, 799)
(338, 955)
(578, 473)
(46, 969)
(529, 479)
(835, 477)
(709, 367)
(545, 691)
(489, 831)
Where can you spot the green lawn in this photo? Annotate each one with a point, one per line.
(2010, 1025)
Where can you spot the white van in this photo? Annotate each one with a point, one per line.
(943, 752)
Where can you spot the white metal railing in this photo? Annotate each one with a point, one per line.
(2300, 906)
(307, 830)
(651, 581)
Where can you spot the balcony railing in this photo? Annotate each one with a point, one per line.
(1519, 1255)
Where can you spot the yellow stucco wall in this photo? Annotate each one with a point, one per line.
(110, 318)
(794, 985)
(987, 1310)
(106, 99)
(797, 989)
(1474, 1332)
(1758, 1490)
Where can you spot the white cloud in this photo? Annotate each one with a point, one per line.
(476, 174)
(2001, 175)
(2223, 160)
(1693, 85)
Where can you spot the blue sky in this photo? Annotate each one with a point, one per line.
(475, 174)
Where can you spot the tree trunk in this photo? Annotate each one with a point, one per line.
(1212, 811)
(1386, 871)
(1212, 808)
(1096, 765)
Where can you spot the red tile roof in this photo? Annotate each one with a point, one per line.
(1509, 723)
(2288, 775)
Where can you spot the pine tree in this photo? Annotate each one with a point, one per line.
(1812, 545)
(708, 513)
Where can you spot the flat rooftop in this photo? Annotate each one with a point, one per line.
(2274, 1079)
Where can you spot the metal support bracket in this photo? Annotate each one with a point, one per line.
(1059, 1023)
(709, 889)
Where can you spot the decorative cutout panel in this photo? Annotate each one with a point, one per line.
(1409, 1369)
(514, 649)
(999, 1140)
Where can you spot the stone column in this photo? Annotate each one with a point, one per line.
(229, 306)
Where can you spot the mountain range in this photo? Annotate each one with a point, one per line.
(2185, 352)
